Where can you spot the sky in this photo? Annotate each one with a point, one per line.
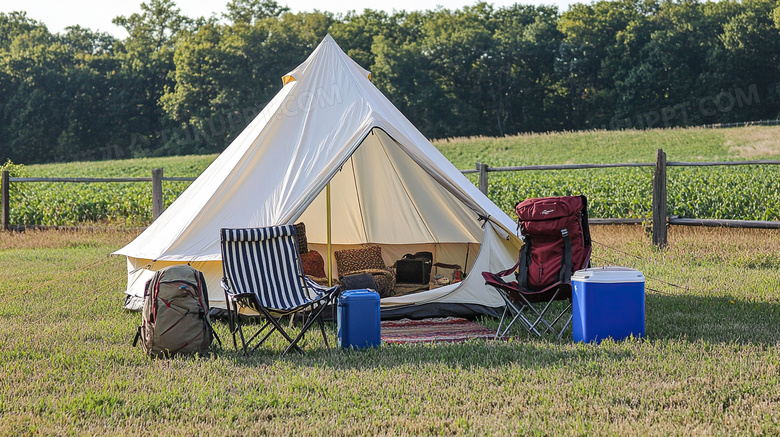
(97, 14)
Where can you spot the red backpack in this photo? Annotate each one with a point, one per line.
(557, 241)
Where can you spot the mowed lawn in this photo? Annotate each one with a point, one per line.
(709, 363)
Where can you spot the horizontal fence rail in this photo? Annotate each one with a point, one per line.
(635, 164)
(556, 167)
(95, 180)
(756, 224)
(712, 164)
(659, 222)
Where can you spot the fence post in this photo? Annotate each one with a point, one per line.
(659, 200)
(157, 193)
(483, 177)
(6, 200)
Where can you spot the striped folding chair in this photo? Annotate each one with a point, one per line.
(262, 271)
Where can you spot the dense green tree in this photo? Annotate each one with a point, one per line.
(492, 70)
(251, 11)
(356, 33)
(522, 84)
(224, 75)
(601, 40)
(661, 79)
(15, 24)
(36, 106)
(751, 38)
(409, 79)
(146, 57)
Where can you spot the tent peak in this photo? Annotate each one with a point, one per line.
(327, 54)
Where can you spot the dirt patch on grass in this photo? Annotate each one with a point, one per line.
(749, 248)
(40, 239)
(753, 142)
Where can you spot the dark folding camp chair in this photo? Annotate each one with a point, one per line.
(262, 272)
(530, 308)
(557, 242)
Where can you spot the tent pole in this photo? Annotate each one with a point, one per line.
(330, 250)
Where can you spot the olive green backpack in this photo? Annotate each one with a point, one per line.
(175, 316)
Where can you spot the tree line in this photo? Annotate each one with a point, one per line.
(180, 85)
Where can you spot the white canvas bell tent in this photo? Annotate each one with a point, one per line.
(389, 186)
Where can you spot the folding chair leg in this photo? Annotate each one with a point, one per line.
(530, 327)
(501, 322)
(534, 318)
(268, 334)
(322, 329)
(540, 314)
(278, 326)
(245, 343)
(565, 325)
(240, 330)
(312, 318)
(508, 325)
(518, 315)
(232, 313)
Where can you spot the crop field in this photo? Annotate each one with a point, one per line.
(749, 193)
(709, 364)
(746, 193)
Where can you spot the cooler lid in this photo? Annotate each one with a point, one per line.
(361, 294)
(608, 274)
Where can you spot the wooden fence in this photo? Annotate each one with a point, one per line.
(156, 179)
(660, 219)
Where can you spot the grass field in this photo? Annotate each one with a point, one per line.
(710, 363)
(750, 193)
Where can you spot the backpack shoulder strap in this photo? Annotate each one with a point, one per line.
(150, 292)
(584, 221)
(565, 275)
(524, 263)
(204, 299)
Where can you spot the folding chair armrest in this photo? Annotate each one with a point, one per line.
(321, 290)
(322, 280)
(508, 271)
(230, 293)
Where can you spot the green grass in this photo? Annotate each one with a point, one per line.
(709, 365)
(748, 193)
(598, 147)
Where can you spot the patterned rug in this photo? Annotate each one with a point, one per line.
(447, 329)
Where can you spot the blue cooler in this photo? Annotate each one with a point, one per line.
(608, 302)
(359, 319)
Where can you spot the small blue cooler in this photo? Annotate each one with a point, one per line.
(608, 302)
(359, 319)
